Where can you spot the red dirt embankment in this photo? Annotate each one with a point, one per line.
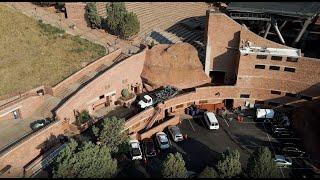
(177, 65)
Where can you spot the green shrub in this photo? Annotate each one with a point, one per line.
(125, 93)
(83, 117)
(91, 15)
(209, 172)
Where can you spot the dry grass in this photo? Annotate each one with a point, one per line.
(34, 54)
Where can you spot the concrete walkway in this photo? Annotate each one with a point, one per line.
(55, 19)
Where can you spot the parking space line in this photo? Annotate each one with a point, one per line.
(226, 122)
(281, 172)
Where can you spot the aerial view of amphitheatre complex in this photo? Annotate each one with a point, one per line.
(160, 89)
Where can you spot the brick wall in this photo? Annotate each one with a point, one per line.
(28, 149)
(86, 70)
(121, 76)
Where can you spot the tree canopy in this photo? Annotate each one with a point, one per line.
(111, 133)
(261, 164)
(174, 167)
(229, 165)
(92, 16)
(209, 172)
(120, 22)
(84, 161)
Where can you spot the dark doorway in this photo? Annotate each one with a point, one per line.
(217, 77)
(228, 103)
(166, 113)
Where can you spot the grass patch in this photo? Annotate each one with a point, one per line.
(33, 53)
(50, 30)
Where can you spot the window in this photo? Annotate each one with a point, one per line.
(259, 66)
(244, 95)
(276, 58)
(203, 101)
(274, 68)
(179, 106)
(101, 97)
(306, 97)
(288, 69)
(291, 95)
(275, 92)
(292, 59)
(259, 102)
(261, 56)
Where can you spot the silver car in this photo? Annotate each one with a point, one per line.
(282, 160)
(162, 140)
(175, 133)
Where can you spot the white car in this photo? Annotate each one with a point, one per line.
(162, 140)
(135, 150)
(282, 160)
(211, 120)
(145, 102)
(175, 133)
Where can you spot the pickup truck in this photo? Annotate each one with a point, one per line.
(157, 96)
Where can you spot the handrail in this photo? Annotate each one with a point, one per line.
(22, 97)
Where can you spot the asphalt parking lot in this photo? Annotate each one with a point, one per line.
(203, 147)
(252, 134)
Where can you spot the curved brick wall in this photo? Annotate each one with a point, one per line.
(120, 76)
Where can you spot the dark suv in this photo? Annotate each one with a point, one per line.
(38, 124)
(148, 148)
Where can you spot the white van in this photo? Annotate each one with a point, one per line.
(211, 120)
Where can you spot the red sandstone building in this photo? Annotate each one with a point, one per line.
(246, 67)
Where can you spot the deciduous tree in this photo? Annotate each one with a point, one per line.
(92, 15)
(209, 172)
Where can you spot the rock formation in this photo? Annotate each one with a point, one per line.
(177, 65)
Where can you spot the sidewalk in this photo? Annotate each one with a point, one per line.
(94, 35)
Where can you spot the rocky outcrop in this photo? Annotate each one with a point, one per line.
(177, 65)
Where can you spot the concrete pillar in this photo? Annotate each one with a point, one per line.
(278, 32)
(305, 25)
(267, 30)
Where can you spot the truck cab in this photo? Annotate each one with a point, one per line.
(145, 101)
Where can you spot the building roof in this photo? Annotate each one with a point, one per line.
(297, 9)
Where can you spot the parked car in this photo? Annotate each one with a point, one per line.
(264, 113)
(175, 133)
(211, 120)
(135, 150)
(148, 148)
(282, 160)
(284, 133)
(162, 140)
(293, 151)
(38, 124)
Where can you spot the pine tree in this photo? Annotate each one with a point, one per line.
(84, 161)
(174, 167)
(92, 16)
(112, 134)
(261, 164)
(229, 165)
